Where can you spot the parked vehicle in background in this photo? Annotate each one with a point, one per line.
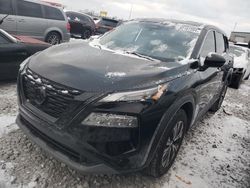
(36, 19)
(242, 44)
(81, 25)
(105, 24)
(96, 19)
(241, 65)
(14, 50)
(123, 102)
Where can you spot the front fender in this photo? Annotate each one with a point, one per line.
(163, 126)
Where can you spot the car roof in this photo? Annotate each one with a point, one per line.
(192, 23)
(44, 3)
(75, 12)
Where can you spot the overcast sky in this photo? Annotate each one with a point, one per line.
(222, 13)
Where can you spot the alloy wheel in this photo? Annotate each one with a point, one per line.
(53, 39)
(173, 144)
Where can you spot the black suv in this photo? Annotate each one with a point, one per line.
(81, 25)
(123, 102)
(105, 25)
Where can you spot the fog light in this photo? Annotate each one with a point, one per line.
(111, 120)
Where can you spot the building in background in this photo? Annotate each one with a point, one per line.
(103, 13)
(243, 37)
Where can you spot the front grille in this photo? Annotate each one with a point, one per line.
(51, 98)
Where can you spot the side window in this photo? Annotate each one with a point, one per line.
(25, 8)
(69, 16)
(3, 40)
(209, 45)
(220, 43)
(226, 43)
(53, 13)
(83, 18)
(6, 7)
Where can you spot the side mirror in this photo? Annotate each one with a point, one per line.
(214, 60)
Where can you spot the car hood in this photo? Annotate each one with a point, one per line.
(80, 66)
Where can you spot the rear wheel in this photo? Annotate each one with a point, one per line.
(86, 34)
(53, 38)
(169, 146)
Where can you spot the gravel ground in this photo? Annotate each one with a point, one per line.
(215, 153)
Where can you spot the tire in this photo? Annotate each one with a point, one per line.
(86, 34)
(169, 146)
(53, 38)
(217, 105)
(237, 81)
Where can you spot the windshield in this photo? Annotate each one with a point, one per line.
(168, 41)
(236, 51)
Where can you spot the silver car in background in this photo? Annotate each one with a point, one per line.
(241, 65)
(37, 19)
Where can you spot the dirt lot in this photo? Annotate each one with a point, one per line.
(215, 153)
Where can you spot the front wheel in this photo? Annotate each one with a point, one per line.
(169, 146)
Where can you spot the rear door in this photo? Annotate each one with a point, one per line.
(210, 78)
(222, 49)
(11, 55)
(9, 24)
(30, 19)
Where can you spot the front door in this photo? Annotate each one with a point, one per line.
(210, 78)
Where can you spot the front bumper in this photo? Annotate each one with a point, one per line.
(76, 153)
(95, 168)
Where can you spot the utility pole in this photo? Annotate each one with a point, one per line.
(131, 10)
(235, 25)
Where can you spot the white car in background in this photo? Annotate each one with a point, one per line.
(241, 64)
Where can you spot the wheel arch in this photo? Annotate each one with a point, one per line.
(187, 103)
(188, 107)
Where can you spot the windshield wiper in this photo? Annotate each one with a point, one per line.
(141, 55)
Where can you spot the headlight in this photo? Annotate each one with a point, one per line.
(111, 120)
(142, 95)
(24, 63)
